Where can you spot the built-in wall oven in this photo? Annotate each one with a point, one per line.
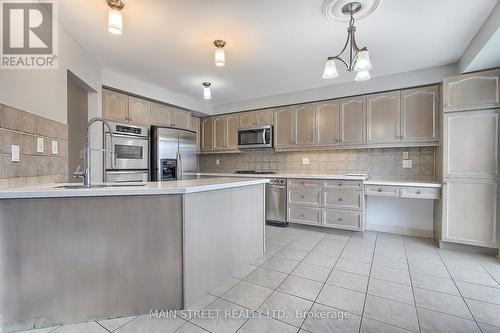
(255, 138)
(131, 148)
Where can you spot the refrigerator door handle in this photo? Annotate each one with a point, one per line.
(181, 170)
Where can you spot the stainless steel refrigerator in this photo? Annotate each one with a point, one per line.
(173, 154)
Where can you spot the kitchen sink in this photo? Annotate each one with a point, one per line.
(80, 186)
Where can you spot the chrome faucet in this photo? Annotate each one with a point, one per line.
(86, 173)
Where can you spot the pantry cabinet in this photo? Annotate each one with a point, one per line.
(353, 120)
(472, 91)
(420, 114)
(383, 117)
(327, 123)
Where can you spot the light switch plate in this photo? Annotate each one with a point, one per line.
(55, 148)
(39, 145)
(406, 155)
(217, 162)
(15, 153)
(407, 164)
(305, 160)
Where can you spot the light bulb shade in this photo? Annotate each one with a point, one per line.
(115, 21)
(363, 61)
(362, 76)
(330, 71)
(207, 93)
(220, 57)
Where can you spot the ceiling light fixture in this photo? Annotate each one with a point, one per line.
(115, 18)
(359, 58)
(207, 93)
(220, 55)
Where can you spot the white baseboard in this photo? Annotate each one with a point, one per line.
(401, 230)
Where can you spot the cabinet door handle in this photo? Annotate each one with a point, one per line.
(340, 199)
(339, 219)
(302, 196)
(301, 214)
(418, 192)
(379, 190)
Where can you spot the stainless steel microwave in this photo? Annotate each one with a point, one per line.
(255, 137)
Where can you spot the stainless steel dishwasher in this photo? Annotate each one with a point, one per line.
(276, 202)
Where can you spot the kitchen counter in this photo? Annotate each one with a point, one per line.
(410, 183)
(286, 175)
(151, 188)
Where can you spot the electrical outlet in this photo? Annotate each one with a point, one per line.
(217, 162)
(406, 155)
(14, 153)
(305, 160)
(55, 148)
(407, 164)
(39, 145)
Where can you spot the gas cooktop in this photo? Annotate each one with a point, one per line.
(253, 172)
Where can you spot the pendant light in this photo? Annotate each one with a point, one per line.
(207, 93)
(115, 18)
(220, 55)
(359, 58)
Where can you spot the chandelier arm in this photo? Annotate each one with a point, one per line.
(343, 61)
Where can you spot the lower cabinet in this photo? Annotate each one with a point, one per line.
(327, 203)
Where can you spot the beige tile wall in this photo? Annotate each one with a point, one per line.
(22, 128)
(383, 163)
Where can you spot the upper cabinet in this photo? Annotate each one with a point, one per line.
(233, 122)
(194, 125)
(383, 117)
(305, 124)
(327, 123)
(206, 134)
(139, 111)
(284, 127)
(353, 120)
(472, 91)
(256, 118)
(115, 106)
(420, 114)
(224, 132)
(220, 132)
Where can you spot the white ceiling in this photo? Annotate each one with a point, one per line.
(273, 47)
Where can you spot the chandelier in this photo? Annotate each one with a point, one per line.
(359, 59)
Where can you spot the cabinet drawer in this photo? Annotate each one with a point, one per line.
(347, 184)
(304, 182)
(342, 219)
(304, 196)
(420, 192)
(382, 190)
(349, 199)
(304, 215)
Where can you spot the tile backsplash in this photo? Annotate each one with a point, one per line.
(382, 163)
(22, 128)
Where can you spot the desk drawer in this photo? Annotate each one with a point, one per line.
(342, 219)
(420, 192)
(382, 190)
(343, 184)
(304, 215)
(304, 196)
(346, 199)
(304, 182)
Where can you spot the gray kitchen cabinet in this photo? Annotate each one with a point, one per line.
(305, 124)
(220, 132)
(353, 120)
(206, 134)
(383, 120)
(469, 212)
(304, 215)
(471, 144)
(180, 118)
(419, 114)
(139, 111)
(284, 127)
(114, 106)
(256, 118)
(160, 115)
(342, 219)
(327, 123)
(472, 91)
(194, 125)
(233, 122)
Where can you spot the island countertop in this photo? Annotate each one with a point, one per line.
(151, 188)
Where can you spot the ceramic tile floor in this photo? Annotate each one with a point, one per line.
(386, 282)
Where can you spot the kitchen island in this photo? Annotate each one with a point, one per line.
(75, 254)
